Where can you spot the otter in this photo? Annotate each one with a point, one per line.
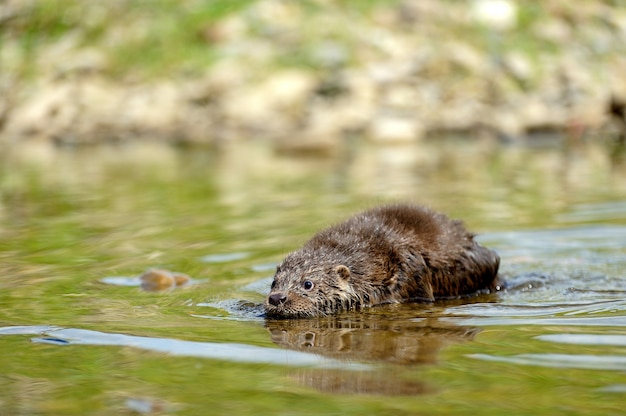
(388, 254)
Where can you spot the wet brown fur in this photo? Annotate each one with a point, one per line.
(388, 254)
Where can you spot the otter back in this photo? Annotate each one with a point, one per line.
(392, 253)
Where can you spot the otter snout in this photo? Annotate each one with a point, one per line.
(277, 299)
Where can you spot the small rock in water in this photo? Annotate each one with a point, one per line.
(181, 278)
(155, 280)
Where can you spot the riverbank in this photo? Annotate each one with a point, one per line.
(306, 76)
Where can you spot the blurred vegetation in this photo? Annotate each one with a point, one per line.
(150, 37)
(161, 37)
(153, 36)
(396, 70)
(174, 37)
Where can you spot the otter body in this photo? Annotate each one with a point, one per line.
(389, 254)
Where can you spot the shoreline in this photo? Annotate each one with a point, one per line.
(307, 80)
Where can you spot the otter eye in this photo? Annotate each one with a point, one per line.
(308, 285)
(273, 284)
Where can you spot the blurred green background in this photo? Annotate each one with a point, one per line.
(307, 74)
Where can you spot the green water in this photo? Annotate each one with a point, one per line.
(70, 343)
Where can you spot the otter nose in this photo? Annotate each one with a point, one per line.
(277, 299)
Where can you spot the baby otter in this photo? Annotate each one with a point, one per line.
(388, 254)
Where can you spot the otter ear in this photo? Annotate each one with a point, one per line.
(343, 272)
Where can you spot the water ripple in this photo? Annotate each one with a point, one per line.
(579, 361)
(218, 351)
(606, 211)
(599, 321)
(585, 339)
(544, 309)
(224, 257)
(548, 242)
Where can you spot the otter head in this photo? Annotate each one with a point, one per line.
(298, 291)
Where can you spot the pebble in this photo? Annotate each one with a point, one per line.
(155, 280)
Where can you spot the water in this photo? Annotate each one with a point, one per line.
(79, 336)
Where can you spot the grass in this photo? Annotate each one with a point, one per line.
(171, 38)
(149, 37)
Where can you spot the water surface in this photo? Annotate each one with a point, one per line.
(79, 336)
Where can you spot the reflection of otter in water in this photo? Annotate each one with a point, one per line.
(402, 344)
(388, 254)
(372, 339)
